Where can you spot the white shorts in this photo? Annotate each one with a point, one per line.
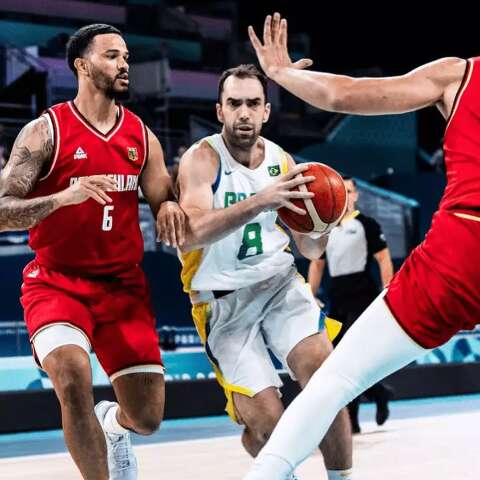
(239, 328)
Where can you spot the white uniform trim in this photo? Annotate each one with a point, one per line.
(56, 335)
(459, 96)
(55, 140)
(146, 149)
(100, 135)
(138, 369)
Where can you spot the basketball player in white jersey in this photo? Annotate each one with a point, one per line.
(247, 295)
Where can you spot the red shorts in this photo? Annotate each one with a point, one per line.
(436, 293)
(115, 313)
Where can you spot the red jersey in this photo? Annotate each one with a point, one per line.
(462, 145)
(89, 238)
(436, 293)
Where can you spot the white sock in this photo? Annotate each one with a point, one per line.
(340, 474)
(276, 467)
(374, 347)
(110, 422)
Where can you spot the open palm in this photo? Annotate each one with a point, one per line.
(273, 53)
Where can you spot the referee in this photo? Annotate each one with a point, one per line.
(350, 250)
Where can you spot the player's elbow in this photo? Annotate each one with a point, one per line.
(340, 100)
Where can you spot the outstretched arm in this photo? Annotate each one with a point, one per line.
(432, 84)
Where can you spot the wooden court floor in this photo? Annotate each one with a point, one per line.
(444, 447)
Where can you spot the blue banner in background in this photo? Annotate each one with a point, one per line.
(188, 362)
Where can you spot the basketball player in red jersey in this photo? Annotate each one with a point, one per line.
(437, 290)
(72, 180)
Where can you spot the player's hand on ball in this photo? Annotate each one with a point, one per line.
(280, 193)
(171, 224)
(94, 187)
(273, 53)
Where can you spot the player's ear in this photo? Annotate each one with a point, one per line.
(81, 66)
(266, 114)
(219, 110)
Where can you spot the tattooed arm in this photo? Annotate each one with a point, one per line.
(31, 152)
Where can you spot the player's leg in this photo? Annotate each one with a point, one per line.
(259, 415)
(126, 344)
(353, 307)
(295, 331)
(63, 353)
(373, 348)
(230, 327)
(139, 408)
(304, 360)
(60, 327)
(141, 401)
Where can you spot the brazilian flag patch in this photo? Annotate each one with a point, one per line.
(274, 170)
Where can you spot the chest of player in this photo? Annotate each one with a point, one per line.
(83, 153)
(81, 150)
(238, 183)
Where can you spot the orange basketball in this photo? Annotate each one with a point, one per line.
(325, 209)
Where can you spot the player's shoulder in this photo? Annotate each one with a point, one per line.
(38, 127)
(270, 144)
(279, 154)
(200, 159)
(202, 151)
(129, 115)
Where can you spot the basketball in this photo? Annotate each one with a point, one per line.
(325, 209)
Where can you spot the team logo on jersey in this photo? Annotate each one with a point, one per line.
(274, 170)
(132, 154)
(79, 154)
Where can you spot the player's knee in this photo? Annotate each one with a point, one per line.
(147, 422)
(70, 374)
(262, 428)
(74, 391)
(146, 426)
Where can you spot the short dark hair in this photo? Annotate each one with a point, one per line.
(81, 40)
(243, 71)
(349, 177)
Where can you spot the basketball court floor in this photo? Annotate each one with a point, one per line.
(435, 439)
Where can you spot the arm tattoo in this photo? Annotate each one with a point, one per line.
(32, 149)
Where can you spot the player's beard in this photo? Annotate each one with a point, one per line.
(243, 141)
(107, 85)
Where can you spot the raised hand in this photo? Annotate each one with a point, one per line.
(273, 53)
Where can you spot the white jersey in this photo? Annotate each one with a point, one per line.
(253, 252)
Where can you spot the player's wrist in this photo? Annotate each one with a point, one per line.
(259, 201)
(60, 199)
(272, 71)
